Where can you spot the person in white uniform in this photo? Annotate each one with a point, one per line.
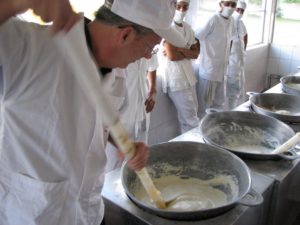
(235, 88)
(52, 143)
(135, 101)
(215, 36)
(178, 77)
(141, 90)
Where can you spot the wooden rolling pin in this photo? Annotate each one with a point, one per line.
(288, 144)
(72, 45)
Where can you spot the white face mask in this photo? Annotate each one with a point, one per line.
(179, 16)
(237, 15)
(227, 11)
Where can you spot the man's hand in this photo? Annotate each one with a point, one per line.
(59, 12)
(150, 101)
(9, 8)
(139, 160)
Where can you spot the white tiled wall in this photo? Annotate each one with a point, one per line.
(256, 68)
(283, 59)
(164, 125)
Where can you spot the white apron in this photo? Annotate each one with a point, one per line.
(235, 87)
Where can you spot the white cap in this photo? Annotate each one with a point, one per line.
(154, 14)
(241, 5)
(187, 1)
(228, 0)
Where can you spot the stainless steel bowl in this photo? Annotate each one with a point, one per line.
(196, 160)
(246, 134)
(284, 107)
(291, 84)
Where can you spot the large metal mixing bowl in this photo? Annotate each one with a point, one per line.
(246, 133)
(195, 160)
(291, 84)
(284, 107)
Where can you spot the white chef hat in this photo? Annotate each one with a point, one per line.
(187, 1)
(241, 5)
(154, 14)
(228, 0)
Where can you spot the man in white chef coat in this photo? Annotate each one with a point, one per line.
(178, 77)
(52, 143)
(235, 87)
(214, 35)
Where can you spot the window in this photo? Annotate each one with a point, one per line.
(254, 16)
(254, 20)
(287, 22)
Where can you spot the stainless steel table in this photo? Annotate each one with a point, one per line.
(120, 210)
(286, 197)
(285, 204)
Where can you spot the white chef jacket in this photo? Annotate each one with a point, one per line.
(237, 52)
(214, 36)
(51, 144)
(235, 86)
(134, 115)
(179, 75)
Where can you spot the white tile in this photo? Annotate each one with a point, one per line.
(163, 111)
(286, 52)
(273, 66)
(164, 132)
(275, 51)
(284, 67)
(296, 53)
(294, 66)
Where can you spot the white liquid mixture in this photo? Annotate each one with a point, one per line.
(192, 194)
(244, 138)
(255, 149)
(294, 85)
(282, 111)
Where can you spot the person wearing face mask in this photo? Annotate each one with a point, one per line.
(178, 78)
(214, 35)
(235, 90)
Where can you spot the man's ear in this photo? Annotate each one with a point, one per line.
(126, 34)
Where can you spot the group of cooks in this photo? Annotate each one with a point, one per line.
(55, 146)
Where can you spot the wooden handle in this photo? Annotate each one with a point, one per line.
(153, 193)
(122, 140)
(288, 144)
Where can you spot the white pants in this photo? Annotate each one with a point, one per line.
(211, 94)
(186, 104)
(235, 85)
(235, 90)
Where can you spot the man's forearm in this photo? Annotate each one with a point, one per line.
(9, 8)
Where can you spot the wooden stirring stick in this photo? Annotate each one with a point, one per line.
(122, 140)
(288, 144)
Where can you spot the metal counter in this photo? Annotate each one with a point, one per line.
(285, 204)
(286, 197)
(120, 210)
